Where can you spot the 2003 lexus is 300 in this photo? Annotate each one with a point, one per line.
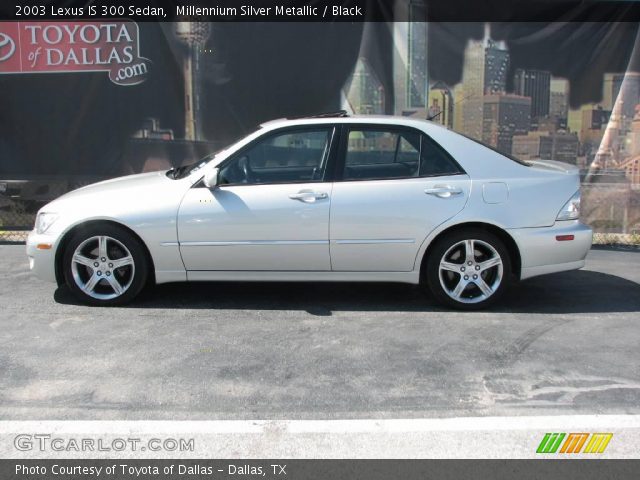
(328, 198)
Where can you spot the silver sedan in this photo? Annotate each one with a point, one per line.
(337, 198)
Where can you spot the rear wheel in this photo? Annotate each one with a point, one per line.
(468, 269)
(105, 265)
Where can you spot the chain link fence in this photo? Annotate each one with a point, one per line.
(20, 200)
(16, 219)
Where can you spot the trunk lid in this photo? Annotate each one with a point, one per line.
(555, 166)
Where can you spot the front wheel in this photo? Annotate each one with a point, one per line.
(105, 265)
(468, 269)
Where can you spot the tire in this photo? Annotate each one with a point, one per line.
(468, 283)
(105, 265)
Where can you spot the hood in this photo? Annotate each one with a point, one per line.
(130, 181)
(116, 186)
(134, 200)
(117, 191)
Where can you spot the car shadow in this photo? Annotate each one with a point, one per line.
(580, 291)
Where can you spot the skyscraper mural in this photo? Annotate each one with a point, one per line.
(410, 60)
(484, 72)
(193, 35)
(508, 85)
(535, 84)
(363, 93)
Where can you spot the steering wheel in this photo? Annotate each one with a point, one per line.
(245, 168)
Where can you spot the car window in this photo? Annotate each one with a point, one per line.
(494, 149)
(434, 160)
(288, 157)
(379, 154)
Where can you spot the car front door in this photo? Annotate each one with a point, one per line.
(270, 210)
(394, 186)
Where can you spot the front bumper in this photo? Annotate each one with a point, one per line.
(42, 259)
(541, 252)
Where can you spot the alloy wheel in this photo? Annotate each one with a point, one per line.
(102, 267)
(471, 271)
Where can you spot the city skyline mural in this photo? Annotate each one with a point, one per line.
(564, 91)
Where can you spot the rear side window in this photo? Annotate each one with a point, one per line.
(386, 154)
(381, 154)
(435, 161)
(493, 149)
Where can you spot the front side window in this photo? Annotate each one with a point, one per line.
(386, 154)
(288, 157)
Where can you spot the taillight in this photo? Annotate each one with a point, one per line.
(571, 209)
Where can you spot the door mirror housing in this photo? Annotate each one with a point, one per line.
(211, 178)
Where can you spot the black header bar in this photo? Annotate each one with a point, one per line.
(325, 10)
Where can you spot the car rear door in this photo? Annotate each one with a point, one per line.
(393, 186)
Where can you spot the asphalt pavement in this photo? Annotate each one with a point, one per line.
(566, 343)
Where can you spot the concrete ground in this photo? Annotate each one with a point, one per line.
(562, 344)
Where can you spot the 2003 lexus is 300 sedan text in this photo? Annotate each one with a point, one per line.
(328, 198)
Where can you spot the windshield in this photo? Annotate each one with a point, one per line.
(186, 170)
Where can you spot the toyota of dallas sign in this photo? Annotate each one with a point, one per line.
(46, 47)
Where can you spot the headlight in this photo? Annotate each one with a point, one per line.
(571, 209)
(44, 220)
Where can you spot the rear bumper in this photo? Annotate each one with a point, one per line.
(42, 260)
(541, 252)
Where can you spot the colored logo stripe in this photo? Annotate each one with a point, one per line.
(574, 442)
(550, 443)
(598, 442)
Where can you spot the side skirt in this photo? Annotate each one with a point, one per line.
(286, 276)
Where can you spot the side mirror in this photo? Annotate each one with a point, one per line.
(210, 179)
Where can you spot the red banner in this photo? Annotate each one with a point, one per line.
(43, 47)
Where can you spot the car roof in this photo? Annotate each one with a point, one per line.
(370, 119)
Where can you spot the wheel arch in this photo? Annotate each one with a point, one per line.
(502, 234)
(64, 241)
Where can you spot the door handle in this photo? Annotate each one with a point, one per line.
(308, 197)
(443, 191)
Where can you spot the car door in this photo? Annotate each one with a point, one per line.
(270, 210)
(394, 185)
